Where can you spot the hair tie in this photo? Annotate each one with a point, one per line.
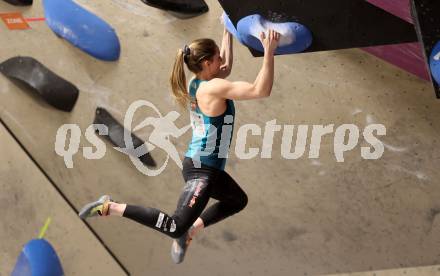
(186, 53)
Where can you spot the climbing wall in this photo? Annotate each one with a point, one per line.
(305, 216)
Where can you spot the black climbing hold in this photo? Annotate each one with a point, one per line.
(180, 8)
(20, 2)
(55, 90)
(116, 134)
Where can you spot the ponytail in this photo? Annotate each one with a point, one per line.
(178, 81)
(192, 56)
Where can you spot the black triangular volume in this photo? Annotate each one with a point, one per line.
(337, 24)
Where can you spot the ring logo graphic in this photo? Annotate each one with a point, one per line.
(163, 127)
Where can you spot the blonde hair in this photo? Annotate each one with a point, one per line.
(192, 55)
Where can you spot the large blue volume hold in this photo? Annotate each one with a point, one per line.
(295, 38)
(434, 62)
(38, 258)
(82, 28)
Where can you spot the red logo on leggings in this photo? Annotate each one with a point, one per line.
(196, 194)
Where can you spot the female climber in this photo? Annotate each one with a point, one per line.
(210, 101)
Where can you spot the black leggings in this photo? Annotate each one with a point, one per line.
(201, 184)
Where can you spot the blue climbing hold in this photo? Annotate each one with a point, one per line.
(434, 63)
(82, 28)
(38, 258)
(295, 38)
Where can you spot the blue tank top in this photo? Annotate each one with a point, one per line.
(211, 137)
